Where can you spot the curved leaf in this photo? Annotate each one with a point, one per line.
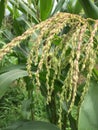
(91, 10)
(58, 6)
(74, 6)
(45, 8)
(7, 78)
(32, 125)
(25, 9)
(88, 116)
(12, 67)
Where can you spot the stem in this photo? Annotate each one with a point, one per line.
(30, 89)
(51, 110)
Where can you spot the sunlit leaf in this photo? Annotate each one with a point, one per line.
(88, 115)
(45, 8)
(91, 10)
(7, 78)
(58, 6)
(25, 9)
(31, 125)
(74, 6)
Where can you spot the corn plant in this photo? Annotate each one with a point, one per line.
(60, 63)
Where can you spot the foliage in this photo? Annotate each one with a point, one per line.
(32, 125)
(90, 8)
(88, 111)
(8, 77)
(10, 104)
(47, 6)
(2, 10)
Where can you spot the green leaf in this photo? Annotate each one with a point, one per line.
(7, 78)
(96, 3)
(88, 115)
(91, 10)
(25, 9)
(31, 125)
(72, 121)
(12, 67)
(56, 40)
(2, 10)
(26, 113)
(95, 73)
(58, 6)
(74, 6)
(45, 8)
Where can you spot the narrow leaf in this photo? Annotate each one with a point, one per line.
(31, 125)
(58, 6)
(74, 6)
(88, 115)
(12, 67)
(7, 78)
(45, 8)
(25, 9)
(91, 10)
(2, 10)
